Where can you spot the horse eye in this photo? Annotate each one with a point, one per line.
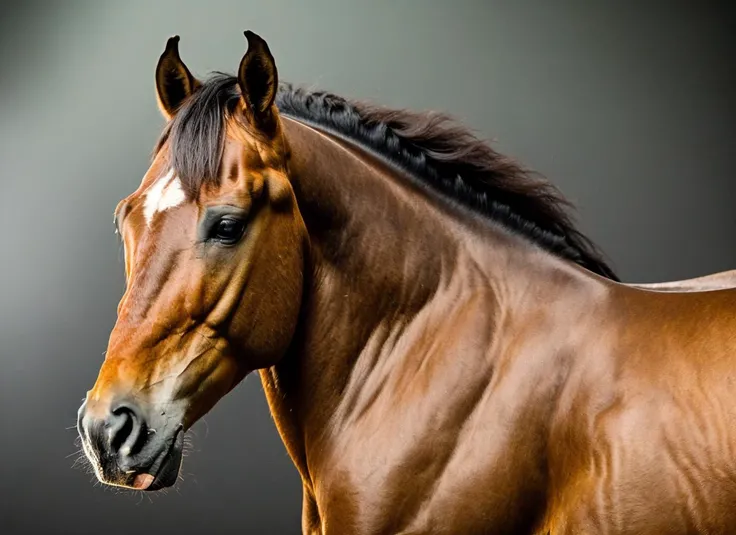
(228, 230)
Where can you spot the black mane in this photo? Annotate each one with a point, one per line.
(430, 146)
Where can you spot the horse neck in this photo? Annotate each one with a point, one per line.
(384, 254)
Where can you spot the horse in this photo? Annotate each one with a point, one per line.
(442, 351)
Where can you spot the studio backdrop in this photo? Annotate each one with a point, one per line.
(627, 107)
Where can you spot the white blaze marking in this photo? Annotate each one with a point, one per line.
(165, 193)
(173, 195)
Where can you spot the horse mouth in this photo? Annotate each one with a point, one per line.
(164, 471)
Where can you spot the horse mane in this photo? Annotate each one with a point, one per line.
(431, 146)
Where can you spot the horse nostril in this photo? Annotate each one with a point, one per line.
(127, 430)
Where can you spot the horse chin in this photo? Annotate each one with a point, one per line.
(164, 472)
(168, 474)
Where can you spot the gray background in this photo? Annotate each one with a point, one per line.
(630, 110)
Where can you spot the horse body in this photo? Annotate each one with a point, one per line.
(429, 368)
(566, 400)
(649, 421)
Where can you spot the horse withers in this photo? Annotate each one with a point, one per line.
(441, 350)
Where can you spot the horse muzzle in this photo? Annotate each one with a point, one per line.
(130, 447)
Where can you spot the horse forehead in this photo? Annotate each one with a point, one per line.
(162, 194)
(242, 154)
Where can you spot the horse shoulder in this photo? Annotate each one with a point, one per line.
(645, 442)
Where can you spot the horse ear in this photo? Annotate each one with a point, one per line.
(258, 80)
(174, 82)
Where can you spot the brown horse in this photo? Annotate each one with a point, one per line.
(442, 351)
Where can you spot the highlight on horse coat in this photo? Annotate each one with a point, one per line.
(441, 349)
